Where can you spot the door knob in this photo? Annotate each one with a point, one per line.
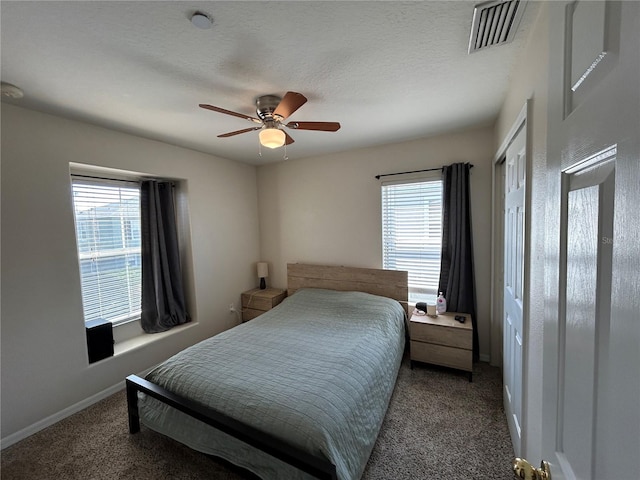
(526, 471)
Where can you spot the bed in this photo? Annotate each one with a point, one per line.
(299, 392)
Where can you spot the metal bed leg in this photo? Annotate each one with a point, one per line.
(132, 407)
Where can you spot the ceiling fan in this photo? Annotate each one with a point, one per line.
(272, 111)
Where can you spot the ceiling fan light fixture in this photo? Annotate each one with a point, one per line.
(272, 110)
(272, 137)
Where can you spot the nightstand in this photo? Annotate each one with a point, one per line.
(442, 340)
(255, 302)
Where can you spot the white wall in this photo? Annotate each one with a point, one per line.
(44, 357)
(328, 209)
(530, 80)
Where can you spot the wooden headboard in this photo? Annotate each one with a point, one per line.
(386, 283)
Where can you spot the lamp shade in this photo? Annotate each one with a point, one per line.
(263, 269)
(271, 137)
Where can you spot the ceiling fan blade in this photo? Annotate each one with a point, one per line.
(229, 112)
(324, 126)
(288, 140)
(291, 102)
(238, 132)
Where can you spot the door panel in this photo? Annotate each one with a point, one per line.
(591, 34)
(584, 328)
(579, 326)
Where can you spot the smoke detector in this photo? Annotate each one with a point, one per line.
(11, 91)
(201, 20)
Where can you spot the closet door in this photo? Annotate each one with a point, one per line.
(512, 328)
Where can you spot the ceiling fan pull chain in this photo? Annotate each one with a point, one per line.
(259, 149)
(285, 153)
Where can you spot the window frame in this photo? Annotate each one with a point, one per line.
(99, 181)
(417, 291)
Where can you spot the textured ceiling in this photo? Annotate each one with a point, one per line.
(388, 71)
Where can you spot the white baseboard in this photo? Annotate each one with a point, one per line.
(62, 414)
(484, 358)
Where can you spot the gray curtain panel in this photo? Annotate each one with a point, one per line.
(163, 299)
(457, 280)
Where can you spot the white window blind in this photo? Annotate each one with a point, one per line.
(412, 234)
(107, 216)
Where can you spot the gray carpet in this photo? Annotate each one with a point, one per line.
(438, 426)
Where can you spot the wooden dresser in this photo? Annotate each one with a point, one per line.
(442, 340)
(255, 302)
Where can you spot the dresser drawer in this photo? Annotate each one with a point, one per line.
(441, 355)
(441, 335)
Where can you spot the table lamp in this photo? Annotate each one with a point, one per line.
(263, 271)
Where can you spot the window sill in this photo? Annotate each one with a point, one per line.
(143, 339)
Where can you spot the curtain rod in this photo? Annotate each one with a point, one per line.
(413, 171)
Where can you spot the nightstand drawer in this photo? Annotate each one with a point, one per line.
(441, 355)
(255, 302)
(263, 299)
(250, 314)
(441, 334)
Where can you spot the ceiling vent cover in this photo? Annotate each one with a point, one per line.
(495, 23)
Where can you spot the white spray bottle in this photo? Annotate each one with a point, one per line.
(441, 304)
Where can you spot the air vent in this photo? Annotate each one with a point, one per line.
(495, 23)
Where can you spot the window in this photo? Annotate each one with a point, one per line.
(412, 234)
(107, 216)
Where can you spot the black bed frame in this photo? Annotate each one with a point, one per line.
(387, 283)
(294, 456)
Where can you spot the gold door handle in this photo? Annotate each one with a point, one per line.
(526, 471)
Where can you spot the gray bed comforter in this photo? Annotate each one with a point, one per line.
(316, 371)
